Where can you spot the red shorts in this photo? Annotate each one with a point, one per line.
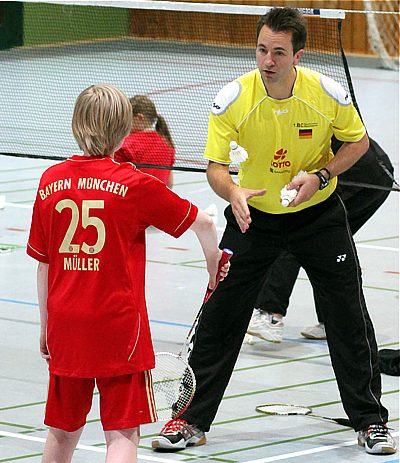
(125, 401)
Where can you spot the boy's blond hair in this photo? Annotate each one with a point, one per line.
(102, 119)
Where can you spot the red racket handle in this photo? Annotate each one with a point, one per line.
(226, 255)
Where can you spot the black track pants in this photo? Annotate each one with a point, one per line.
(320, 239)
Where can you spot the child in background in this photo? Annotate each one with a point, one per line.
(88, 234)
(150, 140)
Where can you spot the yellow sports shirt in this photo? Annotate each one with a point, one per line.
(281, 137)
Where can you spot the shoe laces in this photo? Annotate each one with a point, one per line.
(377, 431)
(173, 426)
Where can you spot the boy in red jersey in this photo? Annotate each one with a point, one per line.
(150, 140)
(88, 234)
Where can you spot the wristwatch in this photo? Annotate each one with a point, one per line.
(323, 181)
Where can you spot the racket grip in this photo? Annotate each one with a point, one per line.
(226, 255)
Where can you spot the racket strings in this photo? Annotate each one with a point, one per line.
(174, 384)
(284, 409)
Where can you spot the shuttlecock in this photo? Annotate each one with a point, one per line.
(211, 210)
(287, 196)
(2, 202)
(237, 153)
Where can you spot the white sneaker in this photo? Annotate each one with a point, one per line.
(314, 332)
(376, 439)
(265, 326)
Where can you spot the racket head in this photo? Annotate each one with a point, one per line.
(174, 385)
(283, 409)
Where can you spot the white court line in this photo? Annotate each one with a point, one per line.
(90, 448)
(286, 456)
(21, 206)
(301, 453)
(380, 248)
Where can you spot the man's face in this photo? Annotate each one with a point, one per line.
(274, 55)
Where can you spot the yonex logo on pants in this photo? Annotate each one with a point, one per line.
(341, 258)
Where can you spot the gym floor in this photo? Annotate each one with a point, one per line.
(296, 371)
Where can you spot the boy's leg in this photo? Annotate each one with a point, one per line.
(122, 445)
(126, 402)
(68, 402)
(60, 445)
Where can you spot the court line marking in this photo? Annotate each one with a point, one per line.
(301, 453)
(89, 448)
(380, 248)
(21, 206)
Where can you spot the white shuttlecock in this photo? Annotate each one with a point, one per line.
(237, 153)
(211, 210)
(2, 201)
(287, 196)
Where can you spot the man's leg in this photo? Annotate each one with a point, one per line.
(361, 205)
(222, 326)
(278, 285)
(272, 302)
(335, 274)
(225, 318)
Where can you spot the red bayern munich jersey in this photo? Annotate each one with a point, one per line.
(88, 224)
(147, 148)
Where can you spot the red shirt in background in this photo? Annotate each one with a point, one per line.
(147, 148)
(88, 224)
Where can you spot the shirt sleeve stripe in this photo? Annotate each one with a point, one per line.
(36, 251)
(186, 216)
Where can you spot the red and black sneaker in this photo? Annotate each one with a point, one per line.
(177, 435)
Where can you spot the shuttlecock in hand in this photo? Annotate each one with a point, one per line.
(287, 196)
(237, 153)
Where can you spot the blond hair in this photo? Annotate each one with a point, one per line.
(102, 119)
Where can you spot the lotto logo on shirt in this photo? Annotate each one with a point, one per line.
(280, 161)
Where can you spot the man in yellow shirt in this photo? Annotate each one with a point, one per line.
(284, 116)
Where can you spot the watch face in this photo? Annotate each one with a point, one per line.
(323, 181)
(324, 184)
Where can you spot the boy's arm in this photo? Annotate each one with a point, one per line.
(42, 289)
(206, 233)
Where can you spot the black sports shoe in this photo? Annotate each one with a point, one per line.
(177, 435)
(376, 439)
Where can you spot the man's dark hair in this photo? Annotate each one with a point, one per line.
(285, 20)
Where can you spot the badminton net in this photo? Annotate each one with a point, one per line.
(179, 54)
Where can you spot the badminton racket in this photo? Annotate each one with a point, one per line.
(290, 410)
(174, 382)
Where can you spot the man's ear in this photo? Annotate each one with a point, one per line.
(298, 56)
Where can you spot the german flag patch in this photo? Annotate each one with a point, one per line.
(305, 133)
